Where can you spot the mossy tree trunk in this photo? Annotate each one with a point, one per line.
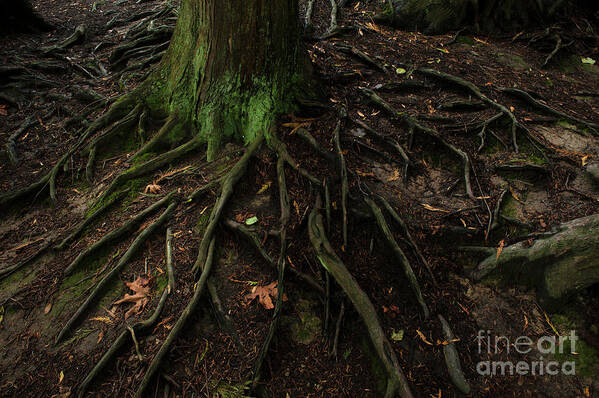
(231, 67)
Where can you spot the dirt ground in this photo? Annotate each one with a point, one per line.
(547, 182)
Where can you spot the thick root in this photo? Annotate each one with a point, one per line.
(396, 382)
(174, 333)
(137, 329)
(405, 263)
(135, 246)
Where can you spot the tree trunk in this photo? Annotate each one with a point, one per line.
(559, 265)
(231, 67)
(18, 16)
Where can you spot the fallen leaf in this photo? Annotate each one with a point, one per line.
(264, 187)
(3, 110)
(585, 160)
(431, 208)
(251, 221)
(100, 337)
(397, 336)
(394, 177)
(152, 188)
(423, 337)
(447, 341)
(48, 308)
(400, 71)
(500, 248)
(443, 50)
(60, 377)
(264, 294)
(588, 60)
(103, 319)
(141, 288)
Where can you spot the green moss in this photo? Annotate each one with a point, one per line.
(144, 158)
(306, 326)
(585, 357)
(509, 207)
(134, 185)
(466, 40)
(202, 222)
(221, 389)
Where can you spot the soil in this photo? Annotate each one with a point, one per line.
(51, 89)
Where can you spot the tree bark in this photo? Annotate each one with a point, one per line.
(231, 67)
(559, 265)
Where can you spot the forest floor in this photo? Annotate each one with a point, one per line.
(541, 186)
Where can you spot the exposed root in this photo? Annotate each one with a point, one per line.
(309, 138)
(474, 90)
(6, 272)
(405, 263)
(227, 184)
(115, 234)
(308, 17)
(281, 263)
(396, 382)
(77, 37)
(282, 151)
(137, 329)
(135, 246)
(333, 352)
(452, 359)
(344, 183)
(494, 222)
(11, 145)
(593, 127)
(168, 126)
(333, 25)
(415, 126)
(389, 141)
(151, 165)
(255, 242)
(406, 232)
(223, 320)
(362, 56)
(118, 110)
(174, 333)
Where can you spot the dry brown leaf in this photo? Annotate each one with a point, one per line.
(431, 208)
(394, 177)
(100, 337)
(500, 248)
(48, 308)
(141, 288)
(152, 188)
(3, 110)
(264, 294)
(423, 337)
(103, 319)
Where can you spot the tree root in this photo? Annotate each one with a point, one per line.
(362, 56)
(11, 145)
(139, 328)
(135, 246)
(117, 233)
(405, 263)
(77, 37)
(406, 232)
(151, 165)
(167, 127)
(6, 272)
(333, 352)
(174, 333)
(396, 382)
(452, 359)
(474, 90)
(251, 237)
(282, 151)
(389, 141)
(227, 183)
(414, 125)
(309, 138)
(593, 127)
(344, 183)
(117, 110)
(282, 262)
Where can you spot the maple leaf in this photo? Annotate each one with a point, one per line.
(264, 294)
(152, 188)
(141, 288)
